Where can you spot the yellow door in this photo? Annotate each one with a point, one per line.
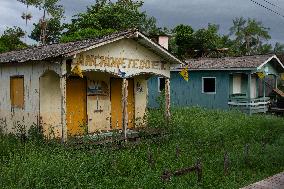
(116, 103)
(76, 102)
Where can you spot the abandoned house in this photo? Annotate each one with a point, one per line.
(83, 86)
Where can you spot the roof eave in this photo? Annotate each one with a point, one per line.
(217, 69)
(269, 59)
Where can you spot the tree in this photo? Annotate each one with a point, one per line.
(278, 48)
(11, 39)
(47, 30)
(249, 36)
(50, 6)
(202, 42)
(53, 31)
(106, 16)
(183, 35)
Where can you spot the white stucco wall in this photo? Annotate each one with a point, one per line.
(50, 104)
(141, 93)
(13, 118)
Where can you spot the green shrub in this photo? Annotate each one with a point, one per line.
(35, 133)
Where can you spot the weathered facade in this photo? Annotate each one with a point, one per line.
(223, 83)
(39, 85)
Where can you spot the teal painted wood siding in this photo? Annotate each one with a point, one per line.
(190, 93)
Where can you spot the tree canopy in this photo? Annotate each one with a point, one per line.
(11, 39)
(249, 36)
(190, 43)
(51, 6)
(106, 16)
(246, 36)
(53, 30)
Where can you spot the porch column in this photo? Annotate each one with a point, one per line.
(248, 91)
(124, 107)
(264, 87)
(276, 82)
(168, 100)
(63, 83)
(248, 87)
(63, 108)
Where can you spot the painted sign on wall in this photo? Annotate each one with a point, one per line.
(114, 62)
(99, 88)
(116, 65)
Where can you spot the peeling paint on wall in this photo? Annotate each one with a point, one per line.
(29, 115)
(123, 56)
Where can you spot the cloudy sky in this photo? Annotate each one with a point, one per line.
(197, 13)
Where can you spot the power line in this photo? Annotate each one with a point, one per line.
(268, 8)
(272, 4)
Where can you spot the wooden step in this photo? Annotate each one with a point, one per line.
(279, 92)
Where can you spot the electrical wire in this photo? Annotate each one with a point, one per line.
(263, 6)
(272, 4)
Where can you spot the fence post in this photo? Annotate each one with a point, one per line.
(263, 145)
(150, 158)
(246, 153)
(199, 170)
(166, 175)
(226, 163)
(177, 152)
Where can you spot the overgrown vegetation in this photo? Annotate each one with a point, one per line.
(196, 132)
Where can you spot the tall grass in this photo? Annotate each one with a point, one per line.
(198, 133)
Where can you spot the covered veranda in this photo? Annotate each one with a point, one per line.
(250, 90)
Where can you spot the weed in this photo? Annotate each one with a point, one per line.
(198, 134)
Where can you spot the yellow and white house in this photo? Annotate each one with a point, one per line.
(39, 85)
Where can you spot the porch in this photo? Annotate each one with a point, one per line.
(251, 92)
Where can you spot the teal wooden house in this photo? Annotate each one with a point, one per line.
(243, 83)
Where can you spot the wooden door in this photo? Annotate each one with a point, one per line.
(76, 102)
(116, 103)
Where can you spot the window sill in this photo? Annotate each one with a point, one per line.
(17, 107)
(210, 93)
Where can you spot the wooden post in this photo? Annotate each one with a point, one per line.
(63, 81)
(263, 145)
(124, 107)
(264, 87)
(199, 170)
(168, 100)
(248, 92)
(63, 84)
(177, 152)
(246, 153)
(151, 158)
(226, 163)
(276, 82)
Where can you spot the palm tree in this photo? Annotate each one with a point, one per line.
(249, 35)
